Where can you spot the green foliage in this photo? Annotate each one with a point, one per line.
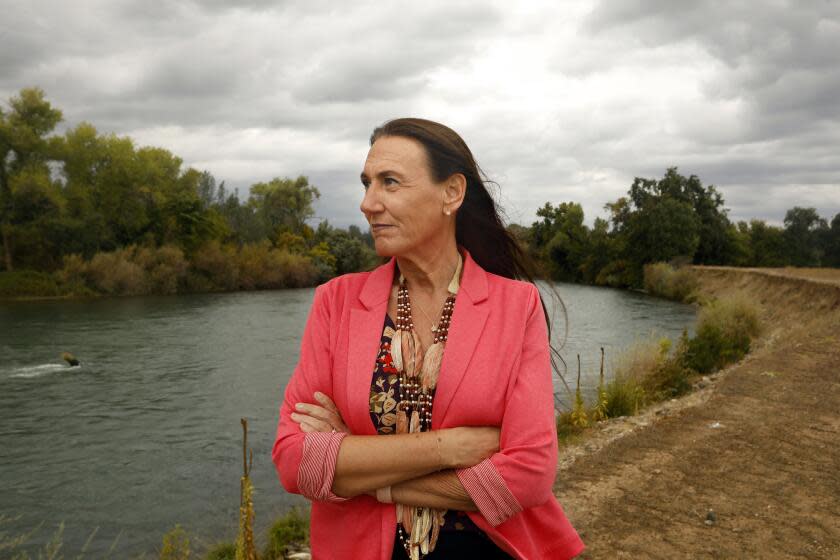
(670, 377)
(567, 429)
(832, 243)
(222, 551)
(580, 415)
(213, 268)
(725, 329)
(283, 204)
(290, 531)
(804, 235)
(600, 410)
(561, 239)
(28, 283)
(624, 396)
(263, 267)
(661, 279)
(176, 545)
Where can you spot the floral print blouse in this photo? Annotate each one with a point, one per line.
(384, 396)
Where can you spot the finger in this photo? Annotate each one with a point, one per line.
(326, 401)
(316, 425)
(319, 412)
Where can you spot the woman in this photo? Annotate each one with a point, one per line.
(447, 352)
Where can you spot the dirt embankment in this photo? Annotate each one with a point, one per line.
(746, 467)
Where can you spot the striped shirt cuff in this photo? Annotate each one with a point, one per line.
(489, 492)
(317, 465)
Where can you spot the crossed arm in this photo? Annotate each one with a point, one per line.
(419, 467)
(323, 461)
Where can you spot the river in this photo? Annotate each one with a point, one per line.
(146, 433)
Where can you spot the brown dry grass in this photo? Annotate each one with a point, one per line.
(759, 449)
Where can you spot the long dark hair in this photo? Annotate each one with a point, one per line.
(478, 221)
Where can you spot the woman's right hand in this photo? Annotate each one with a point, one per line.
(465, 446)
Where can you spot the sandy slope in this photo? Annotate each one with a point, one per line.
(759, 446)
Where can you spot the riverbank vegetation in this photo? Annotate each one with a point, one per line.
(85, 213)
(286, 537)
(653, 370)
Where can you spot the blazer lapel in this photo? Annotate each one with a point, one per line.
(468, 319)
(366, 325)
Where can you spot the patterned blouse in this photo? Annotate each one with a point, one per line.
(384, 396)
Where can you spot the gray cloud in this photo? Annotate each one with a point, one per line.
(557, 103)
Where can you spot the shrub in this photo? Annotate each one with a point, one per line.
(567, 428)
(20, 283)
(725, 329)
(291, 530)
(626, 393)
(680, 284)
(252, 262)
(116, 273)
(261, 267)
(222, 551)
(323, 260)
(165, 268)
(296, 271)
(176, 545)
(671, 377)
(214, 266)
(624, 396)
(73, 271)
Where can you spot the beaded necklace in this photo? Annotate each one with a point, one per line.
(419, 527)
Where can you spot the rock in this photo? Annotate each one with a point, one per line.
(711, 518)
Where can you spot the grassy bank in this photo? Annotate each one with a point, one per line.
(214, 267)
(654, 370)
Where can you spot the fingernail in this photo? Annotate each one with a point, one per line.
(299, 406)
(318, 394)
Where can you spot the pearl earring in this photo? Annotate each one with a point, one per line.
(446, 212)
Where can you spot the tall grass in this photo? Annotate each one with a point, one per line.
(663, 280)
(651, 370)
(725, 330)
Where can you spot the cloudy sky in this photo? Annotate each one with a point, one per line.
(559, 101)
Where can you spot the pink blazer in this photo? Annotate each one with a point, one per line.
(495, 371)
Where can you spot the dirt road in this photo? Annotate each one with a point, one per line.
(749, 467)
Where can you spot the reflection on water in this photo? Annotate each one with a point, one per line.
(612, 319)
(146, 433)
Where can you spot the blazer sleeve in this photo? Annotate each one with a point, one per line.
(521, 474)
(305, 462)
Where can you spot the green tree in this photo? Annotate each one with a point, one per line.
(832, 243)
(349, 253)
(767, 245)
(804, 232)
(283, 204)
(706, 204)
(561, 240)
(25, 150)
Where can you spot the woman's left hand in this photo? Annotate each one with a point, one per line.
(323, 418)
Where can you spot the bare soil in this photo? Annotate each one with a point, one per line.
(747, 466)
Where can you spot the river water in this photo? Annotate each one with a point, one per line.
(147, 434)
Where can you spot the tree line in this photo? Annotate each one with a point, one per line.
(93, 212)
(673, 219)
(105, 214)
